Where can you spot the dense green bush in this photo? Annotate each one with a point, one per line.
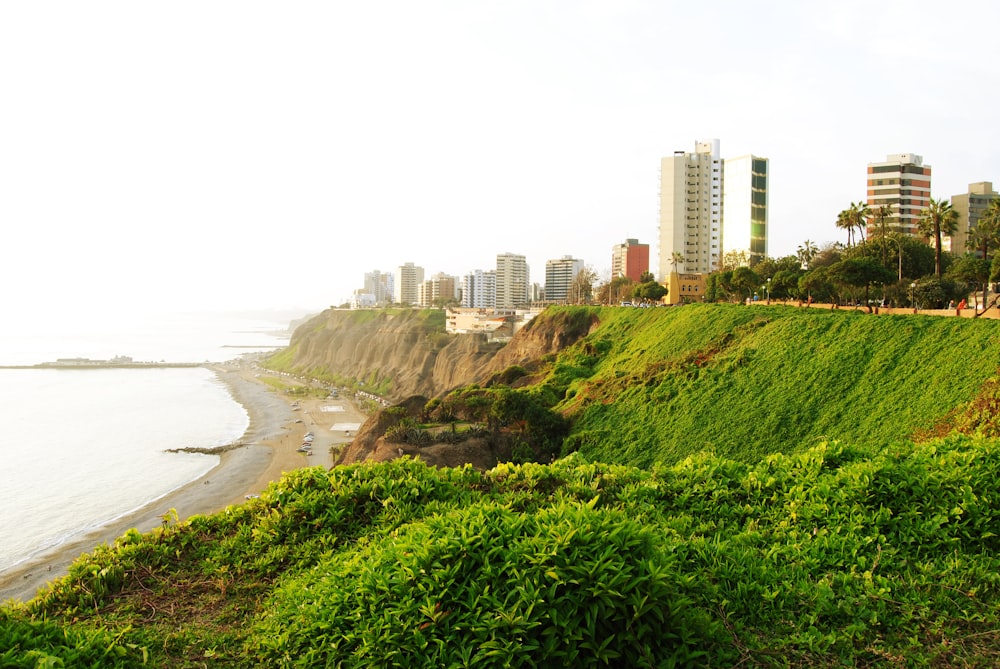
(484, 586)
(26, 644)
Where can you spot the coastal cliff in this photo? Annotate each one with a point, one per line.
(397, 353)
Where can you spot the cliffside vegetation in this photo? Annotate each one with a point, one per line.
(653, 386)
(758, 487)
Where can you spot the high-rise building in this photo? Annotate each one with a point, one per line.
(512, 281)
(744, 207)
(630, 259)
(691, 210)
(969, 207)
(379, 285)
(408, 277)
(559, 276)
(479, 289)
(903, 184)
(438, 289)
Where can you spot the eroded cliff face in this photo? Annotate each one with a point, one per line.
(414, 353)
(416, 358)
(422, 362)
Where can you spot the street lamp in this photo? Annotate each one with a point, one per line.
(768, 290)
(912, 286)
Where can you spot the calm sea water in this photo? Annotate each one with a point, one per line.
(79, 448)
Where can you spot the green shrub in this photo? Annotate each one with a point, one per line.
(26, 644)
(486, 587)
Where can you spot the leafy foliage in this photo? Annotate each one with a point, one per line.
(835, 556)
(30, 644)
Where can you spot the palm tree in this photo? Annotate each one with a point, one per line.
(846, 222)
(806, 252)
(676, 258)
(860, 212)
(986, 234)
(936, 220)
(880, 214)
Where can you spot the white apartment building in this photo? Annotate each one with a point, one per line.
(559, 276)
(691, 210)
(479, 289)
(744, 205)
(512, 281)
(379, 284)
(408, 278)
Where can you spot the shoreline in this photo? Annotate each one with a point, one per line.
(264, 453)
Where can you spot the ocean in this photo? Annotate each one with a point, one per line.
(80, 448)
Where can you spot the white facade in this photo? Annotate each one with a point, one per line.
(479, 289)
(512, 281)
(362, 300)
(380, 285)
(744, 202)
(559, 276)
(691, 210)
(408, 278)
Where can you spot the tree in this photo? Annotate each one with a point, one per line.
(859, 273)
(785, 283)
(612, 292)
(986, 234)
(859, 213)
(930, 292)
(805, 253)
(581, 290)
(936, 220)
(719, 285)
(733, 259)
(845, 222)
(646, 277)
(908, 256)
(767, 267)
(745, 279)
(815, 284)
(972, 271)
(829, 254)
(880, 214)
(675, 259)
(651, 291)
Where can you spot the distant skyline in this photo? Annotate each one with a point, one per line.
(231, 154)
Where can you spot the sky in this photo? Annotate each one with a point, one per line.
(244, 154)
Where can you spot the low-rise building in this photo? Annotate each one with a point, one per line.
(497, 324)
(682, 288)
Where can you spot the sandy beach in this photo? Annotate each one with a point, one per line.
(267, 450)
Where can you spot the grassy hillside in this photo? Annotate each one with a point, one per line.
(780, 516)
(656, 385)
(831, 557)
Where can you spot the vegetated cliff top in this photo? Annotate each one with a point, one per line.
(647, 386)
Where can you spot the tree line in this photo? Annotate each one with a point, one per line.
(879, 264)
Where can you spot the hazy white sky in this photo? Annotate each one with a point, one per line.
(250, 154)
